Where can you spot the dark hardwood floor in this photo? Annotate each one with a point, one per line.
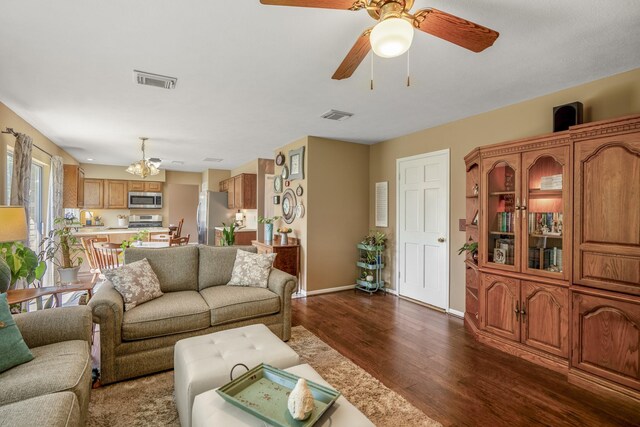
(429, 358)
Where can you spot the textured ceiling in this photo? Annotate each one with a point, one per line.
(252, 78)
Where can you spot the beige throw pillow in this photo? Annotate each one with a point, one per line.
(136, 282)
(251, 269)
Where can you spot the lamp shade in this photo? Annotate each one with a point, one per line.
(391, 37)
(13, 224)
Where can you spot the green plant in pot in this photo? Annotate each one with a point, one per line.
(140, 236)
(375, 238)
(470, 247)
(19, 262)
(228, 234)
(63, 249)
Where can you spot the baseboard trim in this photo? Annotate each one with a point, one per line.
(391, 291)
(456, 313)
(330, 290)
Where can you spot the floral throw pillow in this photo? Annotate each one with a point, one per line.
(136, 282)
(251, 269)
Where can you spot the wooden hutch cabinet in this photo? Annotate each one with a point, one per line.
(557, 280)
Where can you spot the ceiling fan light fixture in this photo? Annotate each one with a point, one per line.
(144, 168)
(391, 37)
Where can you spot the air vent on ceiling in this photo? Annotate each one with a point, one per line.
(177, 162)
(336, 115)
(212, 159)
(150, 79)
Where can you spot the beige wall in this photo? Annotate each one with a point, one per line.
(265, 167)
(181, 201)
(250, 167)
(603, 99)
(299, 225)
(337, 209)
(211, 179)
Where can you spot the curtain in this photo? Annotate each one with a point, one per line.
(21, 177)
(54, 209)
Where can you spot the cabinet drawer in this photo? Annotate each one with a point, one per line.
(606, 336)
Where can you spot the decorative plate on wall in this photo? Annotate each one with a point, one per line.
(285, 172)
(299, 190)
(277, 184)
(300, 210)
(289, 204)
(280, 159)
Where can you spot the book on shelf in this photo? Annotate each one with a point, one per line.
(545, 258)
(553, 182)
(551, 222)
(506, 222)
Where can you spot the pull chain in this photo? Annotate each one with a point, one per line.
(372, 70)
(408, 69)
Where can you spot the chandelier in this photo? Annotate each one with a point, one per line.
(144, 168)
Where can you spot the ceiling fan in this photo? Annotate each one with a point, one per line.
(393, 34)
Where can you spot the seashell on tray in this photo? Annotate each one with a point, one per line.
(300, 401)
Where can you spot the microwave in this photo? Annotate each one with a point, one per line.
(138, 200)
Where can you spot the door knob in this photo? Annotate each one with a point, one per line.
(441, 239)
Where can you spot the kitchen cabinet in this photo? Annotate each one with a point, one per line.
(224, 186)
(531, 313)
(115, 194)
(241, 191)
(145, 186)
(73, 187)
(93, 193)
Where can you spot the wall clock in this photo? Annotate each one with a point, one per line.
(277, 184)
(285, 172)
(289, 204)
(280, 159)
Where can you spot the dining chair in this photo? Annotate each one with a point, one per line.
(180, 241)
(89, 251)
(108, 255)
(178, 232)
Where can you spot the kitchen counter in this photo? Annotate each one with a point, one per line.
(92, 231)
(242, 230)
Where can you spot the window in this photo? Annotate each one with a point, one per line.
(35, 196)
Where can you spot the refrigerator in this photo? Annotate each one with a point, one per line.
(212, 212)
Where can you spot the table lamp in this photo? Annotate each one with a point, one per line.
(13, 227)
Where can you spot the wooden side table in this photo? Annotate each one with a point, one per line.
(85, 282)
(288, 258)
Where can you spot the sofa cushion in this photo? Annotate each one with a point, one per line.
(251, 269)
(13, 349)
(176, 267)
(136, 282)
(55, 367)
(216, 264)
(51, 410)
(172, 313)
(233, 303)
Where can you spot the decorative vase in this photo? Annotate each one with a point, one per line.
(369, 278)
(123, 222)
(300, 403)
(68, 275)
(268, 233)
(284, 238)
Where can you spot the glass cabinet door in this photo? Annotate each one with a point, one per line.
(501, 201)
(545, 215)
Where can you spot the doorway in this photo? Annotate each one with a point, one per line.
(422, 212)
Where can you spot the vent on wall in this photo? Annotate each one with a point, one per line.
(336, 115)
(156, 80)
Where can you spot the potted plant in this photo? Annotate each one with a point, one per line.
(375, 238)
(268, 227)
(228, 234)
(63, 249)
(138, 237)
(18, 262)
(284, 235)
(470, 247)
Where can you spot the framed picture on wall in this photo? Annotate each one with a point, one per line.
(296, 164)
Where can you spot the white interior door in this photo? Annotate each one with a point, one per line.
(423, 228)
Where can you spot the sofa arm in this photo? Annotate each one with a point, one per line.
(108, 310)
(283, 284)
(54, 325)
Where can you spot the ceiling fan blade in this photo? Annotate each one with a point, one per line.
(455, 30)
(355, 56)
(324, 4)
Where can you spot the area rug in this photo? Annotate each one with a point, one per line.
(148, 401)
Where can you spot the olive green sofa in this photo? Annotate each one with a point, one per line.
(196, 301)
(53, 389)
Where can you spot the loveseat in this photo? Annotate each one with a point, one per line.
(196, 301)
(52, 389)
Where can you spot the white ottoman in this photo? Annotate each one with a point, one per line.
(209, 409)
(203, 363)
